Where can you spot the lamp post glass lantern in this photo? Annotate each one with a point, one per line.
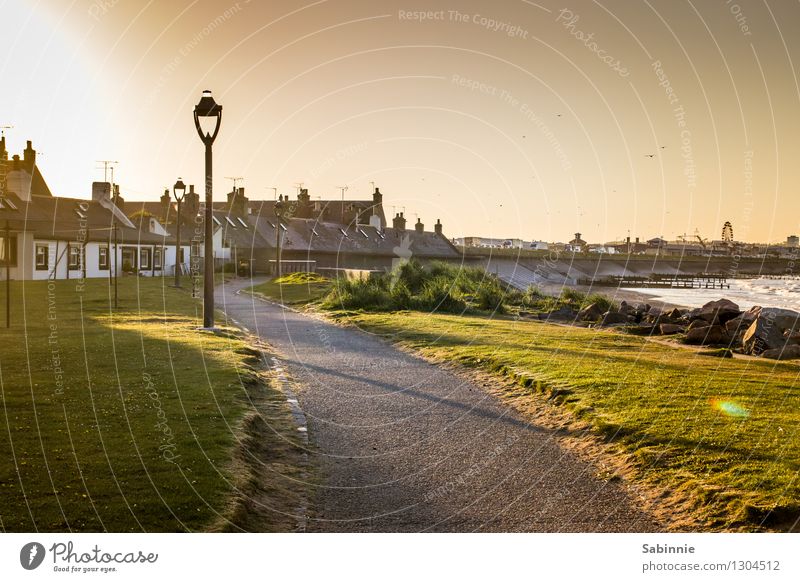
(207, 119)
(178, 191)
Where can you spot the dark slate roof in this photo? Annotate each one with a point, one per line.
(51, 217)
(239, 231)
(322, 210)
(305, 234)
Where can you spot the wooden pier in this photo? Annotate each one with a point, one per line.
(698, 281)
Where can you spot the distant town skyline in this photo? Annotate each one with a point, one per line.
(522, 119)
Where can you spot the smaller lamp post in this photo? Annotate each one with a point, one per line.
(279, 207)
(178, 191)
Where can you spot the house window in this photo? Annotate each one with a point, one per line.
(128, 259)
(75, 257)
(42, 257)
(144, 258)
(102, 259)
(8, 256)
(157, 263)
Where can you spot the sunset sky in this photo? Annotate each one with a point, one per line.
(509, 119)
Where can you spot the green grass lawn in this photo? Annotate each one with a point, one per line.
(719, 436)
(294, 288)
(133, 420)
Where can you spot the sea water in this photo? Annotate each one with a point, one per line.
(744, 292)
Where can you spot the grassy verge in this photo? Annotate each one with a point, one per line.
(133, 420)
(294, 288)
(718, 438)
(440, 287)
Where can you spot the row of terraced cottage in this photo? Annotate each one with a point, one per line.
(53, 237)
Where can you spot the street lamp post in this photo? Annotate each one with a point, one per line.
(7, 243)
(279, 206)
(179, 191)
(207, 119)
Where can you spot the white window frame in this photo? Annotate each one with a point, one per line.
(44, 265)
(144, 257)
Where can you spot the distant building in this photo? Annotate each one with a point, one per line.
(493, 243)
(576, 245)
(792, 240)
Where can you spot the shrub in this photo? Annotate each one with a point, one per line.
(370, 294)
(490, 298)
(401, 296)
(435, 287)
(603, 302)
(572, 296)
(437, 295)
(411, 274)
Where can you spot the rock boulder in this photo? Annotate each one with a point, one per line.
(612, 317)
(708, 335)
(670, 328)
(762, 335)
(791, 352)
(590, 313)
(721, 310)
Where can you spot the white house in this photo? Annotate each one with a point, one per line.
(47, 237)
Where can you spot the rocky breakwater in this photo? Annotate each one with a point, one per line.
(768, 332)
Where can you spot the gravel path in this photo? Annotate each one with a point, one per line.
(404, 445)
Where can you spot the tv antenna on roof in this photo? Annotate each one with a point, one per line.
(236, 180)
(299, 186)
(3, 129)
(344, 189)
(106, 165)
(274, 192)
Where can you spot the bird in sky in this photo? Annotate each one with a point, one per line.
(649, 155)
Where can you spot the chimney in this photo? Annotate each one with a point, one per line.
(377, 197)
(237, 201)
(419, 227)
(303, 204)
(29, 155)
(3, 150)
(101, 191)
(628, 239)
(399, 222)
(437, 228)
(637, 240)
(166, 203)
(191, 202)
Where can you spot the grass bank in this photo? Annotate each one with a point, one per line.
(132, 420)
(716, 438)
(294, 288)
(440, 287)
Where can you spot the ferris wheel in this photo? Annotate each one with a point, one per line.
(727, 232)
